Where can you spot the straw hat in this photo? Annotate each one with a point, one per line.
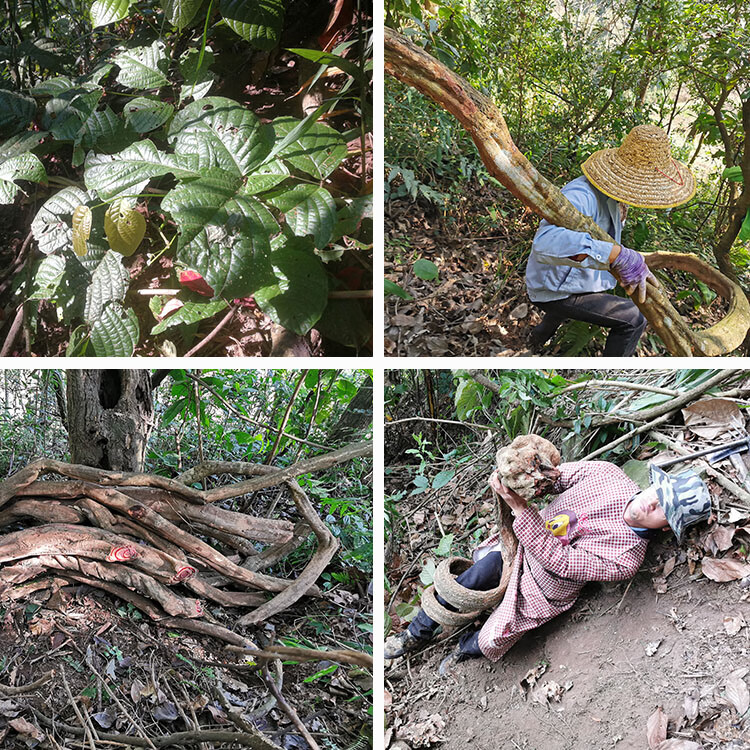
(641, 172)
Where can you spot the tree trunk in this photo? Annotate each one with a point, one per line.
(486, 126)
(356, 416)
(110, 416)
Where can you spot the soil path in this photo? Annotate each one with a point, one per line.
(600, 650)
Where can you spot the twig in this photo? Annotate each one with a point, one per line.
(7, 690)
(213, 334)
(351, 294)
(288, 709)
(256, 742)
(345, 656)
(443, 421)
(617, 384)
(13, 332)
(627, 436)
(84, 724)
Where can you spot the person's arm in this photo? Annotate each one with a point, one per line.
(555, 245)
(574, 561)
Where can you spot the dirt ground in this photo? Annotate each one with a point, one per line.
(478, 305)
(599, 650)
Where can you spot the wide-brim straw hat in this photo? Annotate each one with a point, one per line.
(641, 172)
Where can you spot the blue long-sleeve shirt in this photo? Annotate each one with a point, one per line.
(551, 273)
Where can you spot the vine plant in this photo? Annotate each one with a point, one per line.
(239, 204)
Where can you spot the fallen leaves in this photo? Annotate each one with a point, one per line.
(734, 623)
(736, 691)
(425, 731)
(656, 728)
(724, 570)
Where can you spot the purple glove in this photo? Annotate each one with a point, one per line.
(633, 272)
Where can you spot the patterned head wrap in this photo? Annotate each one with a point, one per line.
(684, 498)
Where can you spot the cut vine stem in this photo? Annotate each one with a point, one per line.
(485, 124)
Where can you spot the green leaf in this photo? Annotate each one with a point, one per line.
(109, 283)
(192, 311)
(143, 67)
(180, 12)
(744, 234)
(223, 134)
(326, 58)
(103, 12)
(309, 210)
(115, 332)
(425, 269)
(734, 174)
(47, 277)
(442, 478)
(444, 548)
(53, 86)
(344, 322)
(468, 398)
(20, 144)
(223, 234)
(129, 171)
(198, 79)
(105, 132)
(23, 167)
(16, 112)
(389, 287)
(317, 152)
(146, 113)
(300, 295)
(427, 576)
(256, 21)
(52, 225)
(321, 673)
(66, 113)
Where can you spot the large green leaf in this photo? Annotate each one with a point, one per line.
(146, 113)
(16, 112)
(223, 235)
(300, 295)
(115, 332)
(105, 131)
(180, 12)
(192, 311)
(53, 86)
(310, 210)
(52, 225)
(143, 67)
(343, 321)
(22, 167)
(318, 152)
(198, 79)
(109, 283)
(744, 234)
(256, 21)
(222, 133)
(47, 277)
(103, 12)
(128, 172)
(66, 112)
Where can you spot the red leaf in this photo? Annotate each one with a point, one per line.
(341, 17)
(196, 283)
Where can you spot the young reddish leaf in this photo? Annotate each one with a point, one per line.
(196, 283)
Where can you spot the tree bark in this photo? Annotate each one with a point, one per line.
(110, 417)
(486, 126)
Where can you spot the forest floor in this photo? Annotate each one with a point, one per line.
(668, 638)
(479, 306)
(134, 678)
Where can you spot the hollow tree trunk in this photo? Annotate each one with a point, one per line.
(110, 416)
(486, 126)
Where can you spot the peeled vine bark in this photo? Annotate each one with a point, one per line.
(486, 126)
(158, 543)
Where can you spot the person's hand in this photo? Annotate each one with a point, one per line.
(633, 272)
(512, 499)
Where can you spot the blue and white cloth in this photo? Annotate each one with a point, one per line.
(551, 274)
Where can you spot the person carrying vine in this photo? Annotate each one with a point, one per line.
(569, 274)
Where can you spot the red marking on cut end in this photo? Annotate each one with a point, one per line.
(184, 573)
(121, 554)
(198, 607)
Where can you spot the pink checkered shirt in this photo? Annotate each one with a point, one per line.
(579, 537)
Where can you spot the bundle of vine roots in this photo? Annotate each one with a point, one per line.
(152, 541)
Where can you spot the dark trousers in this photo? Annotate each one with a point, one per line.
(606, 310)
(481, 576)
